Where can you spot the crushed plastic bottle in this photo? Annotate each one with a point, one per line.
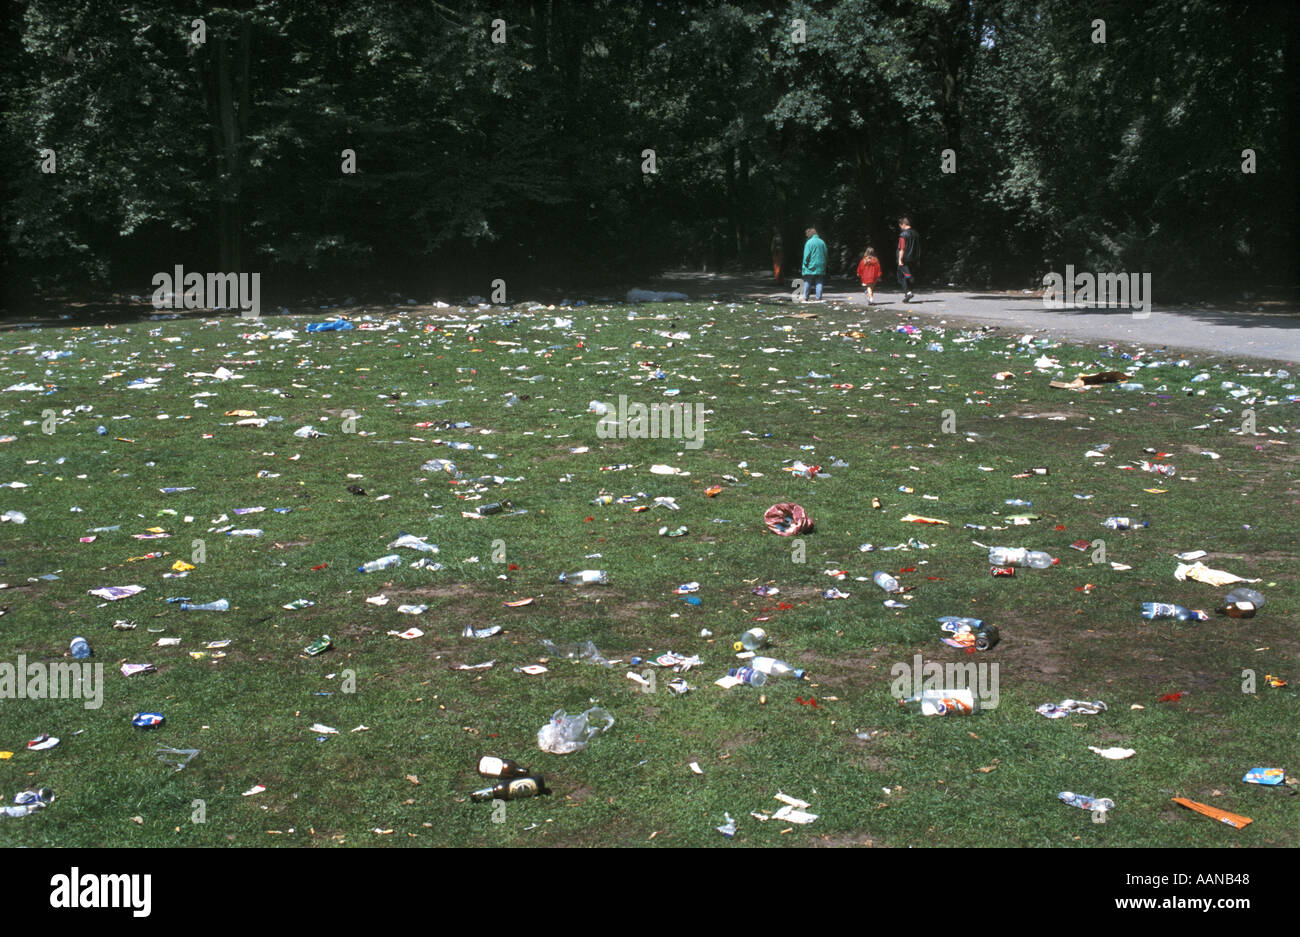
(885, 581)
(440, 465)
(412, 542)
(941, 703)
(1242, 595)
(1085, 802)
(564, 734)
(384, 562)
(1020, 556)
(28, 802)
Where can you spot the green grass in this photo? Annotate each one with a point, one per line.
(249, 713)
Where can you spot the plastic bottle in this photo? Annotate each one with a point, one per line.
(941, 703)
(885, 581)
(748, 675)
(495, 507)
(586, 577)
(80, 648)
(1153, 610)
(439, 465)
(1084, 802)
(1242, 603)
(751, 640)
(776, 668)
(220, 605)
(1159, 468)
(1242, 594)
(1123, 523)
(384, 562)
(1019, 556)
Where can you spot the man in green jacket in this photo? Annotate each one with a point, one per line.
(814, 263)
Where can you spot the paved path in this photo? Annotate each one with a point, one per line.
(1272, 333)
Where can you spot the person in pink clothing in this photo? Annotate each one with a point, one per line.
(869, 273)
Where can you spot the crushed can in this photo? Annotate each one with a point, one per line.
(321, 644)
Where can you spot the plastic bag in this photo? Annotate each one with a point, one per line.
(577, 651)
(565, 733)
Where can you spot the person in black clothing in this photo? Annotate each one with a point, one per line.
(909, 251)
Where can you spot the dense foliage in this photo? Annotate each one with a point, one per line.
(220, 145)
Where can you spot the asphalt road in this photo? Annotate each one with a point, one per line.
(1250, 331)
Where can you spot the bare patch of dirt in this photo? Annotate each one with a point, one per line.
(632, 611)
(579, 794)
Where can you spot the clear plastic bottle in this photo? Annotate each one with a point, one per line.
(751, 640)
(885, 581)
(1242, 594)
(586, 577)
(775, 668)
(1084, 802)
(440, 465)
(1154, 610)
(748, 676)
(1019, 556)
(220, 605)
(1123, 523)
(384, 562)
(941, 703)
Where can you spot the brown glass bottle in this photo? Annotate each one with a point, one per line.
(492, 767)
(515, 789)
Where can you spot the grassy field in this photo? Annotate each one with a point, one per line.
(987, 780)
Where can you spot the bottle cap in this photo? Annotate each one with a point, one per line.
(738, 646)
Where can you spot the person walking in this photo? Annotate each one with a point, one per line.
(869, 273)
(778, 253)
(814, 263)
(909, 252)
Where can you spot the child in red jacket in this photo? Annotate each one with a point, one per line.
(869, 273)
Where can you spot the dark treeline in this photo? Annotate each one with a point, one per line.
(220, 145)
